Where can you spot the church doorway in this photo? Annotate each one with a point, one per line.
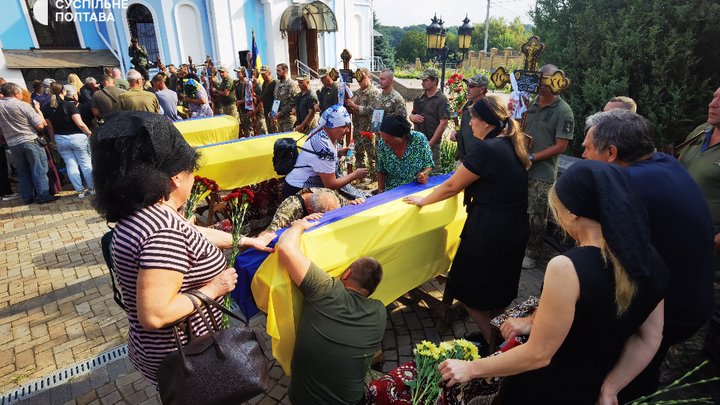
(302, 23)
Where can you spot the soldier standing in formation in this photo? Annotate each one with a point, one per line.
(268, 95)
(363, 103)
(259, 111)
(328, 95)
(285, 92)
(390, 100)
(247, 120)
(226, 99)
(305, 106)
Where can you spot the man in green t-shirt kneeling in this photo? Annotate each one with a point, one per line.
(340, 327)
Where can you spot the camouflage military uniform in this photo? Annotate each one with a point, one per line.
(293, 208)
(285, 91)
(247, 125)
(367, 101)
(393, 104)
(226, 104)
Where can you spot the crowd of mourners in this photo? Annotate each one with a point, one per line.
(610, 308)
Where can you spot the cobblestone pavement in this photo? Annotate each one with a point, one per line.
(56, 310)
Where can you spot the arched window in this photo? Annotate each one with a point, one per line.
(56, 34)
(141, 25)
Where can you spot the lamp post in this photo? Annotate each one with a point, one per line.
(436, 36)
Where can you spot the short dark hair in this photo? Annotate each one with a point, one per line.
(283, 66)
(107, 79)
(629, 132)
(37, 85)
(366, 273)
(158, 78)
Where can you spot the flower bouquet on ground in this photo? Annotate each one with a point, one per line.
(202, 187)
(425, 388)
(238, 202)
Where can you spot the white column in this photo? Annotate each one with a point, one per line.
(277, 45)
(168, 21)
(223, 29)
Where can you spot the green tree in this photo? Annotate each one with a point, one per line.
(381, 46)
(655, 52)
(413, 45)
(501, 34)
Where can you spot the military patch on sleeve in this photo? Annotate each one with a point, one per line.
(568, 127)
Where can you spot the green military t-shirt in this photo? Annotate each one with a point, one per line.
(338, 334)
(327, 96)
(704, 167)
(227, 84)
(545, 125)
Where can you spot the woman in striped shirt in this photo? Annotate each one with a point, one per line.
(144, 174)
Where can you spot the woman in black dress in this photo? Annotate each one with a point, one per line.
(486, 270)
(601, 307)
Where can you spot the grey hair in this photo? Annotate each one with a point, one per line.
(70, 90)
(10, 89)
(133, 75)
(116, 72)
(90, 79)
(628, 131)
(323, 202)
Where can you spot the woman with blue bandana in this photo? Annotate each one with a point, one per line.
(318, 158)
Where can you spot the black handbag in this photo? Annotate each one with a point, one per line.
(224, 366)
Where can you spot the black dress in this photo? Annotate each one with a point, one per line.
(595, 339)
(486, 269)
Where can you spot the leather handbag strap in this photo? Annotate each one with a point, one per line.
(212, 303)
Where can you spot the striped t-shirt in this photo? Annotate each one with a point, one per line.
(155, 238)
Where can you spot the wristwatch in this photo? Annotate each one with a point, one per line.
(531, 157)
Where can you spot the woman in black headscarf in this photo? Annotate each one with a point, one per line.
(143, 175)
(486, 270)
(594, 298)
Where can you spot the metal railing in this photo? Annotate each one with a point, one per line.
(377, 64)
(304, 69)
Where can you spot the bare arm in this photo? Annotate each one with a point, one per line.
(381, 182)
(160, 302)
(637, 353)
(290, 255)
(331, 181)
(223, 240)
(554, 318)
(437, 136)
(547, 153)
(306, 121)
(80, 124)
(452, 186)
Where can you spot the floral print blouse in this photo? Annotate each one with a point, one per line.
(416, 158)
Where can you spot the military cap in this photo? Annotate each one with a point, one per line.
(429, 73)
(478, 80)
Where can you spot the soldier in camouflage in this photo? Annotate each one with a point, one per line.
(307, 201)
(259, 113)
(226, 101)
(364, 101)
(327, 95)
(246, 119)
(286, 90)
(390, 100)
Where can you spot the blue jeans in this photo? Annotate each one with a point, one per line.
(32, 167)
(74, 151)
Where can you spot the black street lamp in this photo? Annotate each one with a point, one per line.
(436, 36)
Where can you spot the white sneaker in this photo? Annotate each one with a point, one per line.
(91, 192)
(11, 197)
(528, 263)
(81, 195)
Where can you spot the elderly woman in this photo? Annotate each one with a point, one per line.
(144, 174)
(70, 136)
(595, 296)
(486, 270)
(198, 101)
(318, 159)
(403, 155)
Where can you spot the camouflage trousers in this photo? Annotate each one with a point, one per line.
(247, 125)
(437, 166)
(272, 127)
(538, 213)
(366, 154)
(228, 110)
(285, 124)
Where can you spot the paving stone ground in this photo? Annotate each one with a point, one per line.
(56, 309)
